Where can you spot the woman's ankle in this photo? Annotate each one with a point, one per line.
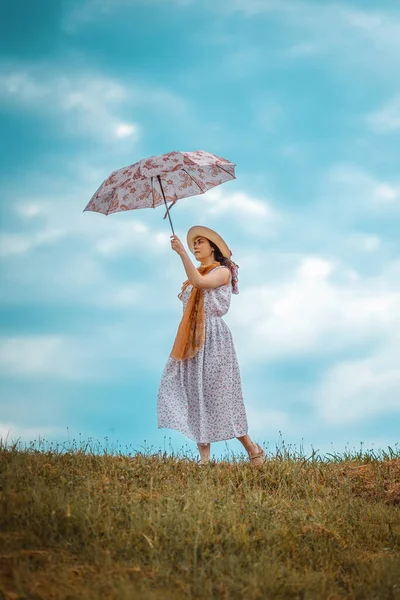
(248, 443)
(204, 450)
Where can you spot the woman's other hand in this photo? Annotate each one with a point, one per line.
(177, 245)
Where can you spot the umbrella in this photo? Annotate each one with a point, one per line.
(167, 177)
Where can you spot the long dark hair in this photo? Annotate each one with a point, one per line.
(225, 262)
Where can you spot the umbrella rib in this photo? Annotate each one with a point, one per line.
(192, 178)
(109, 204)
(112, 197)
(222, 168)
(152, 191)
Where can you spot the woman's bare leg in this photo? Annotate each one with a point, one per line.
(247, 442)
(204, 450)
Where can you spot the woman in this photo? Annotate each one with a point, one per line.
(200, 392)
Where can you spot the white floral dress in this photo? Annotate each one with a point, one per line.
(202, 396)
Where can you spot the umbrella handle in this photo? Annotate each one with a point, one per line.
(162, 190)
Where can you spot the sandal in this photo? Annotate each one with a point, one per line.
(258, 458)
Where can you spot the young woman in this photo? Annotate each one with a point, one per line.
(200, 392)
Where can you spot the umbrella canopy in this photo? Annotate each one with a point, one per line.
(158, 179)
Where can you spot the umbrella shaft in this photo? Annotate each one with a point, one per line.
(162, 190)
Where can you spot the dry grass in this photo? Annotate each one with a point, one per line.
(78, 524)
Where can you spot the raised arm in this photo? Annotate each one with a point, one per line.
(211, 280)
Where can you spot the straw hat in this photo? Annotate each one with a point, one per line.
(198, 230)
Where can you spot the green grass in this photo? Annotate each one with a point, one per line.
(78, 523)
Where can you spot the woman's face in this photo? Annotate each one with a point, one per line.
(202, 248)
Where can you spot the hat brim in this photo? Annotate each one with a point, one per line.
(200, 231)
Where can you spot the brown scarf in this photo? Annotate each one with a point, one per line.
(191, 330)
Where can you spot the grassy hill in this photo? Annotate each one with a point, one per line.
(77, 524)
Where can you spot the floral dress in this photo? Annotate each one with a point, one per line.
(202, 396)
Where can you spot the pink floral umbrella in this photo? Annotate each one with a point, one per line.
(152, 181)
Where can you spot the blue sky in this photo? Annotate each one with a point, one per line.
(304, 98)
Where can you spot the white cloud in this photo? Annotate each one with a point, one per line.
(380, 28)
(119, 237)
(302, 50)
(266, 421)
(316, 308)
(85, 11)
(354, 38)
(126, 130)
(19, 84)
(367, 243)
(62, 254)
(16, 243)
(387, 118)
(28, 210)
(357, 389)
(240, 203)
(126, 295)
(91, 104)
(12, 432)
(41, 356)
(51, 218)
(314, 268)
(86, 277)
(350, 193)
(107, 353)
(254, 215)
(83, 101)
(256, 7)
(322, 309)
(386, 194)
